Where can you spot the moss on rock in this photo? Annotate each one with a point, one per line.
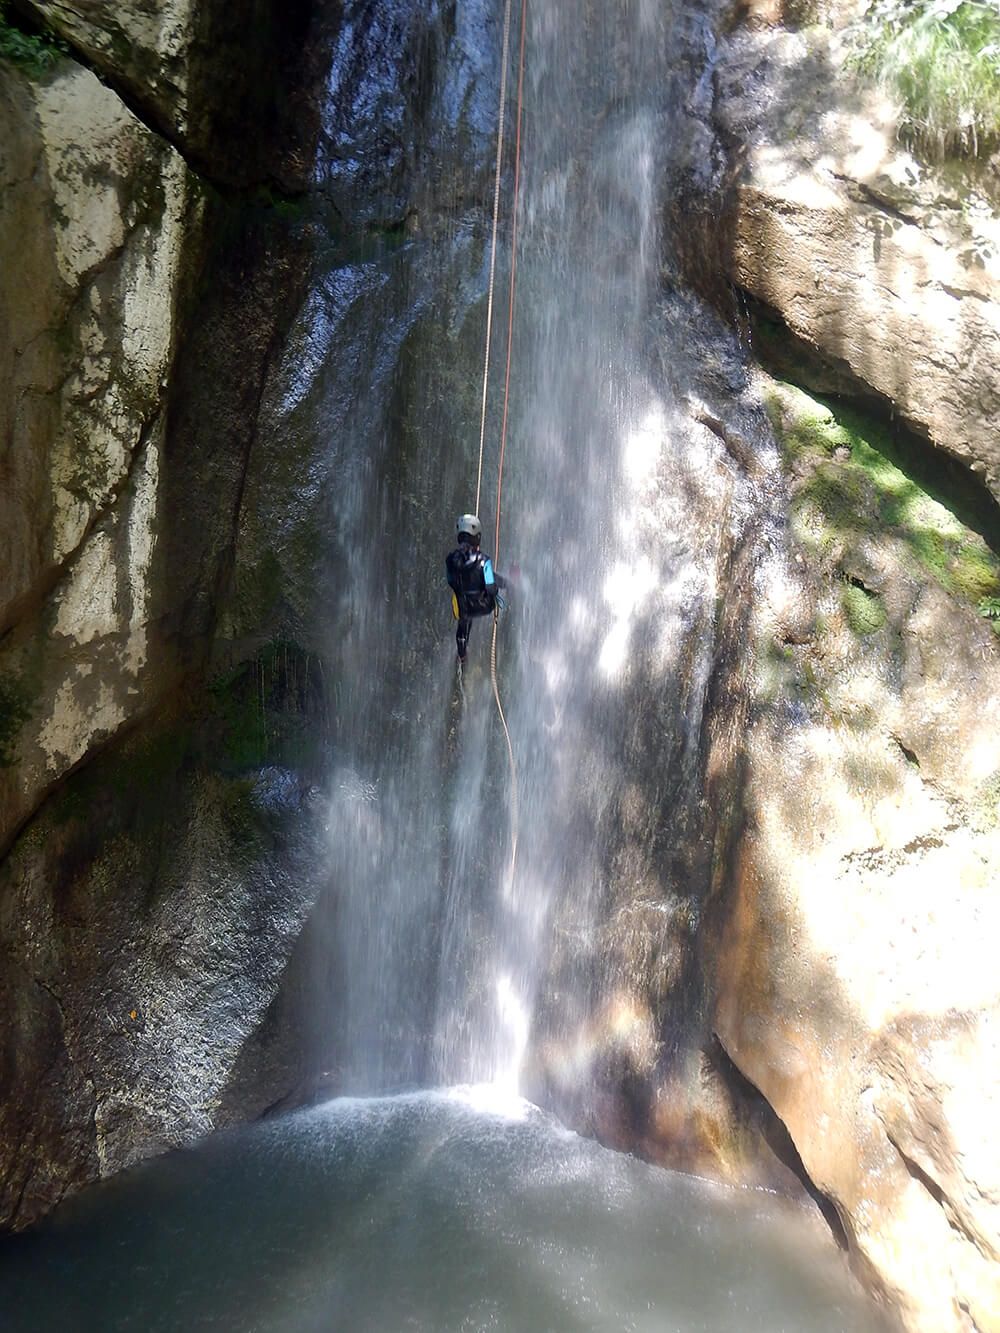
(986, 812)
(854, 476)
(865, 611)
(268, 710)
(35, 50)
(15, 709)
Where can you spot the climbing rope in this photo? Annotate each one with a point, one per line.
(514, 802)
(513, 275)
(505, 56)
(493, 244)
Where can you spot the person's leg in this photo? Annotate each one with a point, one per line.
(462, 637)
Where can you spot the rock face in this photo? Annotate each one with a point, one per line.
(166, 695)
(199, 74)
(853, 748)
(211, 397)
(851, 970)
(884, 265)
(110, 213)
(135, 985)
(141, 315)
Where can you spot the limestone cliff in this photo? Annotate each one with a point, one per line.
(232, 263)
(851, 965)
(886, 264)
(141, 878)
(850, 948)
(110, 213)
(830, 948)
(201, 76)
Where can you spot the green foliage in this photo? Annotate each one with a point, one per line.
(990, 607)
(34, 52)
(15, 709)
(940, 59)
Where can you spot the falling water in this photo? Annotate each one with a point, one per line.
(613, 510)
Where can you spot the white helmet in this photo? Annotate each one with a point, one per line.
(469, 525)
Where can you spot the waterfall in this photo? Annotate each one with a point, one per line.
(614, 510)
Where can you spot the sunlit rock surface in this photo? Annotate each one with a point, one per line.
(854, 977)
(886, 266)
(100, 213)
(854, 741)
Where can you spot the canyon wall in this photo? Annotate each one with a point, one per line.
(151, 892)
(232, 277)
(849, 940)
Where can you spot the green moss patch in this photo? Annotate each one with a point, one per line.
(986, 811)
(855, 477)
(268, 710)
(864, 610)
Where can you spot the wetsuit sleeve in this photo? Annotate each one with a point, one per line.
(491, 579)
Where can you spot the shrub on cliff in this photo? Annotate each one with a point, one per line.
(940, 59)
(34, 51)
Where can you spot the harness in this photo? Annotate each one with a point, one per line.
(473, 587)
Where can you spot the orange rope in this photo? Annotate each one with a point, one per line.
(515, 805)
(493, 242)
(513, 275)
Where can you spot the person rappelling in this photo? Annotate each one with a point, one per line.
(475, 584)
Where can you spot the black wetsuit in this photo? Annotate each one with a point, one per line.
(467, 578)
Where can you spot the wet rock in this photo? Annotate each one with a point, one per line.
(144, 946)
(141, 949)
(141, 314)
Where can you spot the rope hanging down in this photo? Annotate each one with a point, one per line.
(493, 244)
(515, 807)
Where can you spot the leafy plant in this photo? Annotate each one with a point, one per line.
(941, 60)
(990, 607)
(35, 52)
